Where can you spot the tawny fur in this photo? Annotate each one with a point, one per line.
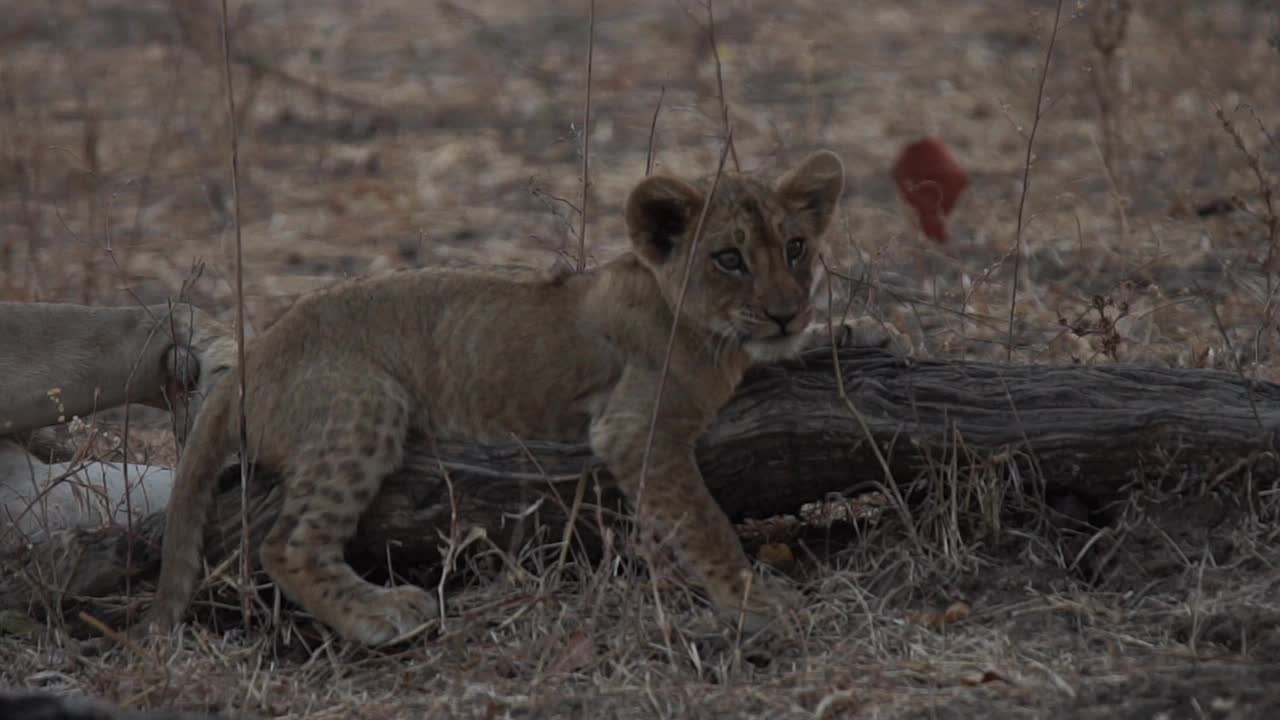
(336, 385)
(61, 360)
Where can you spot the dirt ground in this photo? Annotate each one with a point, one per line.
(394, 134)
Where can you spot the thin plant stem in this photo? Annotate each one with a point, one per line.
(675, 314)
(586, 137)
(235, 204)
(724, 103)
(653, 131)
(1026, 179)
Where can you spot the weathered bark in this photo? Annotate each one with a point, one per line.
(27, 705)
(787, 438)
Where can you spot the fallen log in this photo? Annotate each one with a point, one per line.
(788, 438)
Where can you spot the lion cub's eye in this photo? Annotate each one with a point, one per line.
(795, 249)
(730, 261)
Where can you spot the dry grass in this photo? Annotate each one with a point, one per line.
(394, 134)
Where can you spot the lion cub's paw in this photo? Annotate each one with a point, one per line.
(386, 613)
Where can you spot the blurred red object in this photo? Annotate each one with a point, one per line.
(931, 182)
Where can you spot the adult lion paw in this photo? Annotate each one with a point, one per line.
(867, 331)
(862, 331)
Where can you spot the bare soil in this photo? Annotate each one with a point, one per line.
(445, 131)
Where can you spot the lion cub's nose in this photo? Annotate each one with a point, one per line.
(782, 317)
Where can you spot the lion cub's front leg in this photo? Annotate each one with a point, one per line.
(675, 503)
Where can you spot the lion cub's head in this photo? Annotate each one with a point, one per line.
(755, 270)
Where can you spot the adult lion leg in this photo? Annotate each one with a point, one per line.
(37, 497)
(58, 361)
(63, 360)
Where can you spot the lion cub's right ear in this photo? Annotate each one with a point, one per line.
(660, 212)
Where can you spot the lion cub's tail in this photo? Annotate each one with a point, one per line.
(190, 503)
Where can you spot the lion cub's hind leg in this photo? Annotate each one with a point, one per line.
(328, 485)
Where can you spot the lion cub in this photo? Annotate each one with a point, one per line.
(336, 385)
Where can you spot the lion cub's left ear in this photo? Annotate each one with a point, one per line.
(812, 190)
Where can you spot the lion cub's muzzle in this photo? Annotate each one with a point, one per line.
(777, 332)
(789, 321)
(781, 318)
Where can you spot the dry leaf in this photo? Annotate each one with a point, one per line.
(931, 181)
(776, 554)
(955, 612)
(579, 652)
(928, 618)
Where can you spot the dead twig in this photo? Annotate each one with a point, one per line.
(1108, 24)
(1268, 218)
(675, 313)
(653, 131)
(235, 202)
(586, 137)
(724, 104)
(1026, 177)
